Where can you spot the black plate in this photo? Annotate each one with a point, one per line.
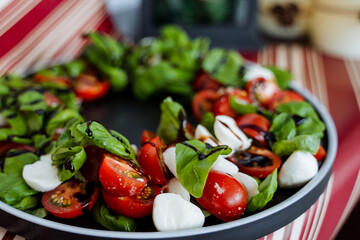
(130, 117)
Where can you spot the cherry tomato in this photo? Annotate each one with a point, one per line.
(254, 125)
(6, 146)
(223, 196)
(151, 159)
(282, 97)
(121, 177)
(51, 100)
(90, 168)
(320, 154)
(61, 81)
(147, 136)
(133, 206)
(256, 161)
(71, 199)
(89, 88)
(262, 90)
(203, 102)
(222, 105)
(205, 81)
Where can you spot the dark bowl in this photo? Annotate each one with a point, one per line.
(130, 117)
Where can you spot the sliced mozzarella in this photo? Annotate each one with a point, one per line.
(228, 133)
(174, 186)
(257, 71)
(41, 175)
(225, 166)
(202, 134)
(171, 213)
(298, 169)
(169, 156)
(249, 183)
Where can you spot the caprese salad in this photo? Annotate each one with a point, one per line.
(254, 134)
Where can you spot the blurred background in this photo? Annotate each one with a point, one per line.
(330, 25)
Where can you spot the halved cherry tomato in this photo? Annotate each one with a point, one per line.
(121, 177)
(147, 136)
(203, 102)
(89, 88)
(262, 90)
(320, 154)
(61, 81)
(151, 159)
(205, 81)
(133, 206)
(282, 97)
(6, 146)
(71, 199)
(223, 196)
(256, 161)
(254, 125)
(222, 105)
(51, 99)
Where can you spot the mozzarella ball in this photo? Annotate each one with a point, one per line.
(298, 169)
(249, 183)
(174, 186)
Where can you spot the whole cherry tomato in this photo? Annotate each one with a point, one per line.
(223, 196)
(282, 97)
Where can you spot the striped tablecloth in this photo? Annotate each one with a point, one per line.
(34, 33)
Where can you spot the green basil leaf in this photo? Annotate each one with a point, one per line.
(74, 68)
(13, 189)
(192, 169)
(207, 121)
(283, 127)
(309, 143)
(27, 202)
(39, 212)
(73, 157)
(16, 121)
(266, 189)
(14, 165)
(241, 107)
(224, 66)
(172, 116)
(111, 220)
(93, 133)
(61, 118)
(282, 77)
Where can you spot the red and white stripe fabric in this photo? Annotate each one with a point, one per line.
(36, 33)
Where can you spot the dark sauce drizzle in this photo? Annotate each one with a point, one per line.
(200, 154)
(17, 153)
(87, 130)
(252, 160)
(68, 165)
(298, 120)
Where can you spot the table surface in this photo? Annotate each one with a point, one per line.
(35, 33)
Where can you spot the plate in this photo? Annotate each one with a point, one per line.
(130, 117)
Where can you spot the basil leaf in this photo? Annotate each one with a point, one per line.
(241, 107)
(93, 133)
(311, 125)
(266, 189)
(282, 77)
(111, 220)
(70, 160)
(60, 119)
(207, 121)
(39, 212)
(283, 127)
(172, 116)
(14, 165)
(27, 202)
(309, 143)
(223, 66)
(13, 189)
(193, 163)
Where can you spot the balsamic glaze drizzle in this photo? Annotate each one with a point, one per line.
(87, 130)
(200, 154)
